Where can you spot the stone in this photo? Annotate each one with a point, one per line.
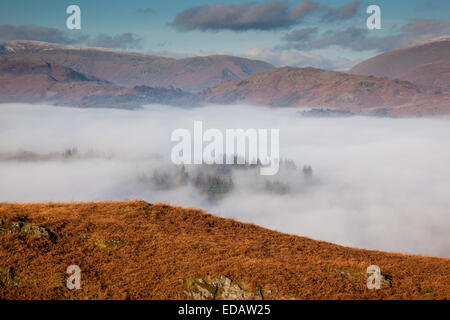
(26, 229)
(7, 277)
(218, 288)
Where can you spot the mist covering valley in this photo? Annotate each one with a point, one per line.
(377, 183)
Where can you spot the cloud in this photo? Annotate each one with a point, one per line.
(250, 16)
(31, 32)
(145, 10)
(186, 54)
(301, 59)
(37, 33)
(428, 5)
(304, 8)
(168, 54)
(354, 38)
(377, 183)
(126, 40)
(426, 27)
(300, 34)
(342, 13)
(361, 39)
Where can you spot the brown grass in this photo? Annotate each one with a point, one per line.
(134, 250)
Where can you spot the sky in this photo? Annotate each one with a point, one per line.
(330, 34)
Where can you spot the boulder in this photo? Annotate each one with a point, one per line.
(218, 288)
(26, 229)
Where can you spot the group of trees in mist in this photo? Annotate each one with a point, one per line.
(217, 180)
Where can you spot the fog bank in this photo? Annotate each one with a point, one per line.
(377, 183)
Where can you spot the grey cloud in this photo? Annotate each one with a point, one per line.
(361, 39)
(119, 41)
(31, 32)
(281, 58)
(249, 16)
(37, 33)
(300, 34)
(303, 8)
(145, 10)
(429, 5)
(237, 17)
(423, 26)
(345, 12)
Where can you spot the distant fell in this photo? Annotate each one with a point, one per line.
(426, 63)
(135, 69)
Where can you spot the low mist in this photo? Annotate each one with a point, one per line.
(376, 183)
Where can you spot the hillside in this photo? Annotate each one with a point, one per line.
(310, 87)
(135, 69)
(136, 250)
(37, 81)
(426, 63)
(25, 80)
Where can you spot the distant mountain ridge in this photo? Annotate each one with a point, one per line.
(37, 81)
(311, 87)
(134, 69)
(28, 75)
(426, 63)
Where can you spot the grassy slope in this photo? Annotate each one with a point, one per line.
(140, 251)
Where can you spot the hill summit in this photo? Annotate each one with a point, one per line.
(137, 250)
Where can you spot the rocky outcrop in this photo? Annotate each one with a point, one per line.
(7, 278)
(218, 288)
(26, 229)
(385, 280)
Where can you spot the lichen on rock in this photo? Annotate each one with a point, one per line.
(218, 288)
(26, 229)
(7, 278)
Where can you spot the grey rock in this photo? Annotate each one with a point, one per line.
(26, 229)
(218, 288)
